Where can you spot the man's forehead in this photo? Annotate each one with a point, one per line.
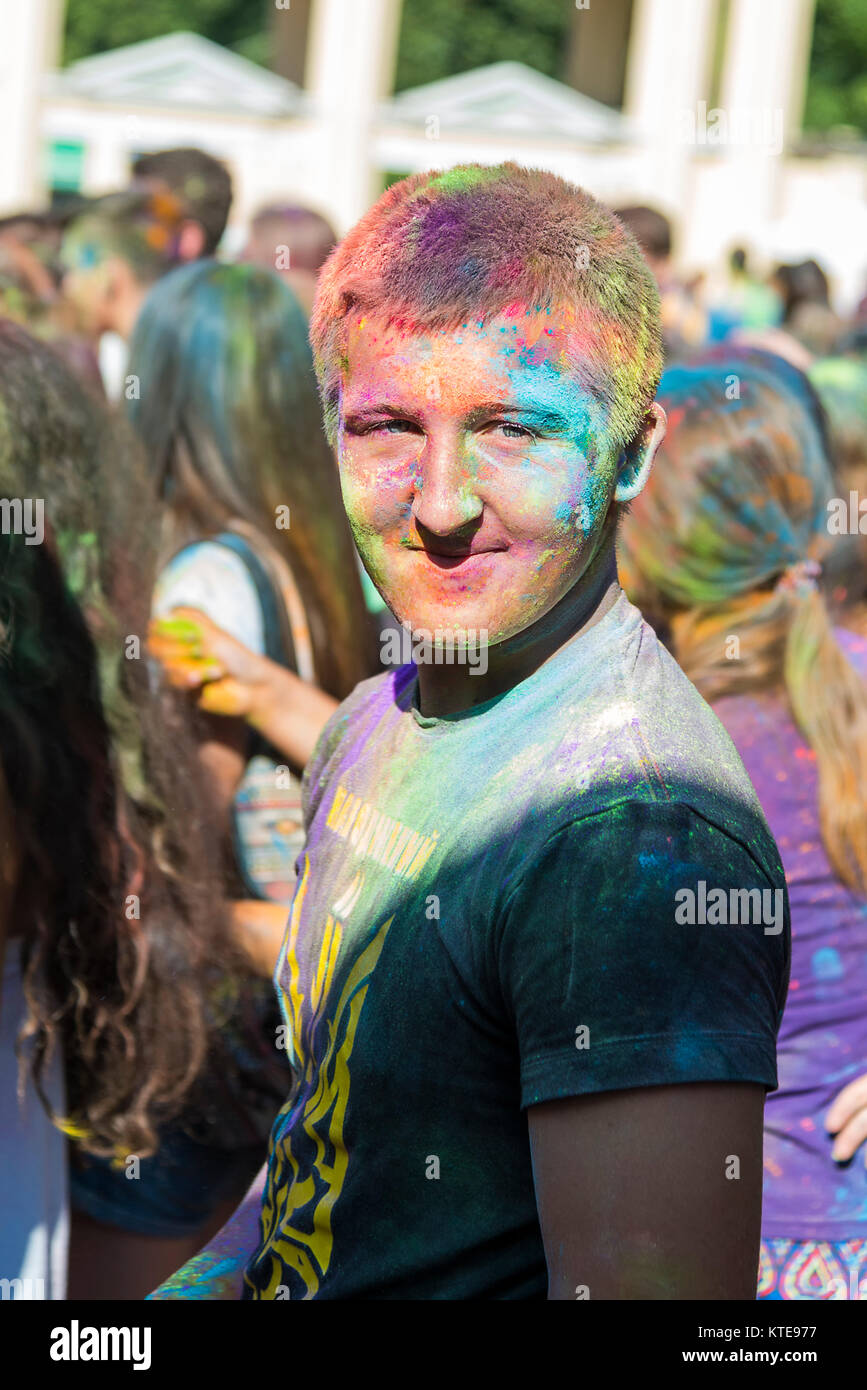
(524, 359)
(518, 334)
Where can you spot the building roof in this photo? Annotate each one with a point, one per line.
(178, 70)
(508, 98)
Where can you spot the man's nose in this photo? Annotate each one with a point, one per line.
(446, 496)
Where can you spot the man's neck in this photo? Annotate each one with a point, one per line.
(449, 689)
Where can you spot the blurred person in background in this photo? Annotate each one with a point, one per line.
(263, 618)
(265, 626)
(21, 266)
(740, 301)
(723, 552)
(254, 539)
(114, 252)
(115, 248)
(807, 313)
(254, 536)
(30, 292)
(294, 241)
(201, 183)
(853, 340)
(684, 324)
(113, 947)
(39, 233)
(841, 382)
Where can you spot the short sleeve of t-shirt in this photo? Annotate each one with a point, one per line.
(616, 969)
(215, 580)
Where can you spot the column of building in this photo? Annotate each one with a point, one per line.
(667, 74)
(762, 98)
(350, 68)
(31, 32)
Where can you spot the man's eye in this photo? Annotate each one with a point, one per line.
(512, 431)
(375, 428)
(392, 427)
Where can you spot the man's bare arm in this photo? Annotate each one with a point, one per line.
(638, 1196)
(217, 1272)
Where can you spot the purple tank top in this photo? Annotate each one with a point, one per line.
(823, 1039)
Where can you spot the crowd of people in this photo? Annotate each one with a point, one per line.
(212, 780)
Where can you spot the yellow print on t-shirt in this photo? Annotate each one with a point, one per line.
(308, 1158)
(374, 835)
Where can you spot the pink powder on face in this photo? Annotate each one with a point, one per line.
(451, 441)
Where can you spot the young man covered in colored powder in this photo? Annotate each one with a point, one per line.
(518, 1073)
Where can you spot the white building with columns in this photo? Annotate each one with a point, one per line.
(689, 105)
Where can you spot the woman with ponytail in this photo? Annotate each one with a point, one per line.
(725, 552)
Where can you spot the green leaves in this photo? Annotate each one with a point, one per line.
(95, 26)
(837, 85)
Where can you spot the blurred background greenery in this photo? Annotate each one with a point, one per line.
(439, 38)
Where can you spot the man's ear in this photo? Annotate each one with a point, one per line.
(636, 460)
(191, 242)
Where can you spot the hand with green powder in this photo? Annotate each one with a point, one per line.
(235, 682)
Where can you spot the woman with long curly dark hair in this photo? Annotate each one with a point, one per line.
(111, 934)
(253, 540)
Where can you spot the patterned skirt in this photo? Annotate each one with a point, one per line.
(813, 1269)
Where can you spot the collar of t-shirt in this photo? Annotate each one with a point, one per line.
(585, 651)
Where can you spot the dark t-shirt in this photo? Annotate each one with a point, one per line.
(494, 909)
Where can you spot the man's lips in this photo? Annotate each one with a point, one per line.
(459, 559)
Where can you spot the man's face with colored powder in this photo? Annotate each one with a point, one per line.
(476, 471)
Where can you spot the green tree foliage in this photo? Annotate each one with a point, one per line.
(442, 37)
(837, 86)
(438, 37)
(95, 26)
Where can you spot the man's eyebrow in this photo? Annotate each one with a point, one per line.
(541, 416)
(377, 412)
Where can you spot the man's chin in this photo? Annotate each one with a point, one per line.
(489, 616)
(431, 618)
